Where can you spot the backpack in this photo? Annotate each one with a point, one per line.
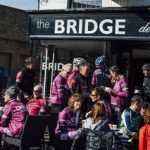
(88, 139)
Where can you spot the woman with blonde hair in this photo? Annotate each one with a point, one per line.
(144, 133)
(69, 119)
(97, 121)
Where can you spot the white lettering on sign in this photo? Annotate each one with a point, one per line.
(49, 66)
(145, 29)
(71, 25)
(43, 25)
(87, 25)
(106, 26)
(59, 26)
(80, 26)
(109, 28)
(120, 24)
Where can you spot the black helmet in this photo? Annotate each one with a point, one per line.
(79, 61)
(146, 67)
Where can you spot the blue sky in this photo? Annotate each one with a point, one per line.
(21, 4)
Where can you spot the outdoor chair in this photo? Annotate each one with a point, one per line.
(32, 135)
(52, 123)
(53, 142)
(88, 139)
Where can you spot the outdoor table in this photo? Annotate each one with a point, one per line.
(126, 140)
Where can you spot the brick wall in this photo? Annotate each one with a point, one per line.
(14, 41)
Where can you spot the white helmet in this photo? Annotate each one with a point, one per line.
(79, 61)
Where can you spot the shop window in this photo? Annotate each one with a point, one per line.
(86, 3)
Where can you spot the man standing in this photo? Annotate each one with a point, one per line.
(146, 82)
(60, 91)
(77, 62)
(100, 77)
(25, 78)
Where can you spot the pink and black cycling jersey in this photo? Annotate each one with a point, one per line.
(60, 91)
(25, 80)
(35, 105)
(68, 123)
(81, 84)
(70, 81)
(120, 90)
(13, 118)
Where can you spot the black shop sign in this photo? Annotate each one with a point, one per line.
(89, 26)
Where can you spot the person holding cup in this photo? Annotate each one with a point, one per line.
(119, 93)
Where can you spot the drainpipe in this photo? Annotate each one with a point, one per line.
(45, 72)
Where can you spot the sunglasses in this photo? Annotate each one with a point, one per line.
(36, 91)
(93, 95)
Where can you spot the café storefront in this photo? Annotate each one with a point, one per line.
(122, 35)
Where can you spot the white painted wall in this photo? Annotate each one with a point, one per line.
(125, 3)
(52, 4)
(62, 4)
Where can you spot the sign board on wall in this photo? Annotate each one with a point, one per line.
(89, 26)
(52, 4)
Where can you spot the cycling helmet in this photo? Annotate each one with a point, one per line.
(146, 67)
(79, 61)
(100, 61)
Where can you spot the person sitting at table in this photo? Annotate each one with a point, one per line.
(131, 118)
(13, 115)
(97, 95)
(144, 133)
(69, 119)
(37, 104)
(97, 121)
